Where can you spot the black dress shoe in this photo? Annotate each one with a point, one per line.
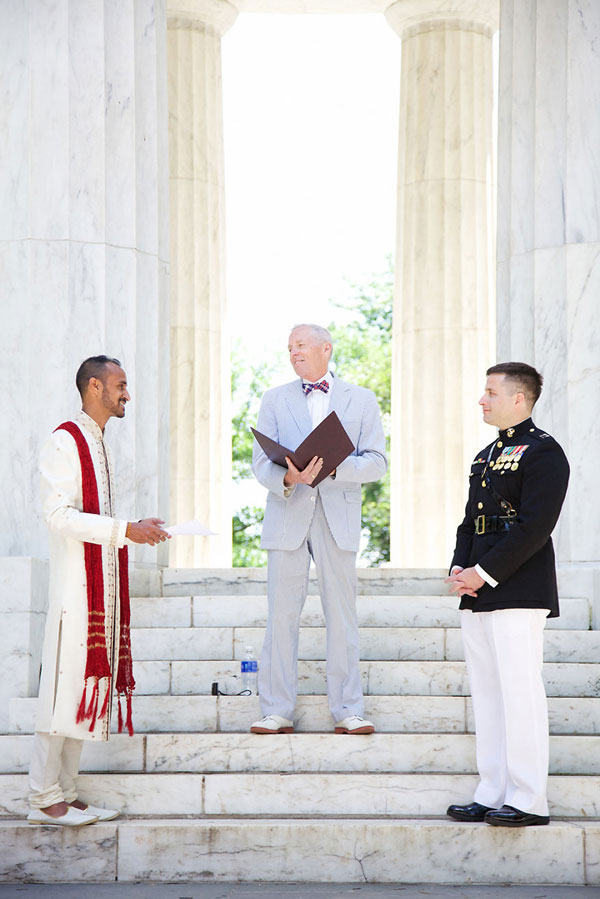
(507, 816)
(472, 812)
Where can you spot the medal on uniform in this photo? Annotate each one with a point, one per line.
(510, 455)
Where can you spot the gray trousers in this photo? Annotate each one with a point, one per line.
(287, 585)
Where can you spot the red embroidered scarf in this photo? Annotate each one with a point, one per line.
(97, 666)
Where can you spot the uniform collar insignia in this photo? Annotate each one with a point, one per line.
(523, 427)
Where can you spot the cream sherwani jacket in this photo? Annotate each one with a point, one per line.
(65, 641)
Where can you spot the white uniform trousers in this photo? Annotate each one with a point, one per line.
(504, 656)
(54, 769)
(287, 584)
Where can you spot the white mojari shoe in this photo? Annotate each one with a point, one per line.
(272, 724)
(73, 817)
(102, 814)
(354, 724)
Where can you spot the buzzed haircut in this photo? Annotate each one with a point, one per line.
(93, 367)
(525, 378)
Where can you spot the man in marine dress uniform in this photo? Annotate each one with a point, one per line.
(322, 523)
(504, 570)
(86, 644)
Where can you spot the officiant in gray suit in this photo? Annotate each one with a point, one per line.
(321, 523)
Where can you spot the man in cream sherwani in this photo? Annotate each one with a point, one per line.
(323, 523)
(59, 737)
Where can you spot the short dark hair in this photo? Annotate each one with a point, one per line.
(525, 377)
(93, 367)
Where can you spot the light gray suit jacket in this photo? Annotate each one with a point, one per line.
(284, 416)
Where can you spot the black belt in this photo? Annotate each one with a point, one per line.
(491, 524)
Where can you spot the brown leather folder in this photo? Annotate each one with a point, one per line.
(328, 441)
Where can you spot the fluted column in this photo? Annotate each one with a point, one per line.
(200, 379)
(83, 242)
(444, 296)
(549, 234)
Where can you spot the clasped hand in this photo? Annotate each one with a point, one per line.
(465, 581)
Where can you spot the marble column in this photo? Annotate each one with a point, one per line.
(444, 297)
(83, 255)
(549, 234)
(200, 377)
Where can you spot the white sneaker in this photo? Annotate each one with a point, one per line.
(73, 817)
(102, 814)
(272, 724)
(354, 724)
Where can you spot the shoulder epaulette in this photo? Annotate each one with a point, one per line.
(541, 435)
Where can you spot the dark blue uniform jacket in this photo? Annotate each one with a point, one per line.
(530, 470)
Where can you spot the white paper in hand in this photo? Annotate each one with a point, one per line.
(193, 528)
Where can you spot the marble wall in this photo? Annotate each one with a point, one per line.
(549, 233)
(83, 241)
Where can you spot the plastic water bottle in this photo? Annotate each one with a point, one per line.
(249, 671)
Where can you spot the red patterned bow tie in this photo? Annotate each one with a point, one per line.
(318, 385)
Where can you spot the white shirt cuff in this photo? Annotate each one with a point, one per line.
(487, 577)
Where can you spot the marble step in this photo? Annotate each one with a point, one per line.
(384, 581)
(286, 849)
(426, 678)
(253, 581)
(297, 753)
(308, 795)
(376, 644)
(373, 611)
(390, 714)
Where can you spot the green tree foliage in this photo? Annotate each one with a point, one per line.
(247, 523)
(247, 388)
(362, 355)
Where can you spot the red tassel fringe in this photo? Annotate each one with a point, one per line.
(129, 716)
(125, 681)
(105, 703)
(81, 710)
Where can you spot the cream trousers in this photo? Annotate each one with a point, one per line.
(504, 654)
(54, 769)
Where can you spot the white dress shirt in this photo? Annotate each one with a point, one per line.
(317, 401)
(318, 407)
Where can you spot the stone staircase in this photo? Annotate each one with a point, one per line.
(204, 800)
